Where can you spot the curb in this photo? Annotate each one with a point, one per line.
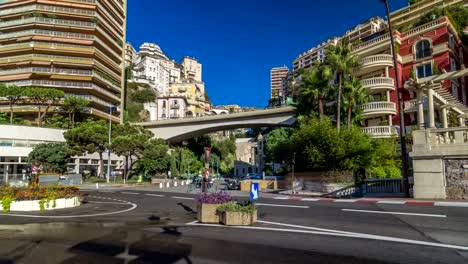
(375, 201)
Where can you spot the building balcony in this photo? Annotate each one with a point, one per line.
(175, 116)
(411, 106)
(48, 21)
(373, 109)
(380, 131)
(175, 106)
(375, 63)
(378, 84)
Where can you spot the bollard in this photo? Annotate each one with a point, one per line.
(175, 184)
(160, 185)
(167, 185)
(97, 185)
(182, 183)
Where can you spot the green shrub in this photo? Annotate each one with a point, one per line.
(393, 172)
(378, 172)
(245, 207)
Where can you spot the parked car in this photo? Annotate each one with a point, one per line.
(252, 176)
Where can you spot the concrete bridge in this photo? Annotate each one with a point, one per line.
(177, 130)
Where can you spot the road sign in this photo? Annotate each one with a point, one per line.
(254, 191)
(34, 168)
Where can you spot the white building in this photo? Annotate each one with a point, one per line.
(249, 156)
(151, 69)
(130, 54)
(192, 69)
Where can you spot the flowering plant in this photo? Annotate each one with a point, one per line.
(214, 198)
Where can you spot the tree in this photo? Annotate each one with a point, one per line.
(355, 94)
(155, 157)
(43, 97)
(73, 105)
(343, 62)
(316, 87)
(52, 157)
(13, 94)
(276, 143)
(130, 141)
(89, 137)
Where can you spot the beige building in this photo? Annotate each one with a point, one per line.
(75, 47)
(317, 53)
(277, 75)
(130, 55)
(192, 69)
(249, 156)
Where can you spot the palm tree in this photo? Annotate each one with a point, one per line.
(343, 62)
(316, 85)
(355, 95)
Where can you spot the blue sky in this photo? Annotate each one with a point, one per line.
(239, 41)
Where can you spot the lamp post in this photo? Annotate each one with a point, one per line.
(399, 89)
(108, 148)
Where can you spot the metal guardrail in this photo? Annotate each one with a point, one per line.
(392, 187)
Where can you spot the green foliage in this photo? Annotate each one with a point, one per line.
(155, 157)
(393, 172)
(378, 172)
(74, 105)
(13, 94)
(43, 97)
(277, 145)
(52, 157)
(412, 2)
(6, 203)
(354, 95)
(412, 74)
(57, 121)
(144, 95)
(244, 207)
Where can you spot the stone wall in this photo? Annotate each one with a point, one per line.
(456, 174)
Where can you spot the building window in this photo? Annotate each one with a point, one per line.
(424, 70)
(243, 170)
(454, 89)
(451, 42)
(453, 65)
(423, 49)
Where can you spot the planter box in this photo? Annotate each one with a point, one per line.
(207, 213)
(238, 218)
(33, 205)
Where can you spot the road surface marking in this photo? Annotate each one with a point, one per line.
(96, 202)
(454, 204)
(178, 197)
(283, 205)
(345, 201)
(391, 202)
(281, 198)
(129, 192)
(106, 191)
(133, 206)
(356, 235)
(395, 213)
(311, 199)
(157, 195)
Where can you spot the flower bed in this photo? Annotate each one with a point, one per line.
(207, 204)
(236, 213)
(38, 198)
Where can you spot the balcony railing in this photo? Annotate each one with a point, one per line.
(376, 59)
(48, 21)
(378, 83)
(175, 106)
(380, 131)
(412, 105)
(47, 33)
(47, 57)
(378, 108)
(46, 70)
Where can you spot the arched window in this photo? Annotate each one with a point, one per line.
(250, 169)
(423, 49)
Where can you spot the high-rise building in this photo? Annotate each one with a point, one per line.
(192, 69)
(317, 53)
(150, 70)
(277, 75)
(130, 55)
(74, 46)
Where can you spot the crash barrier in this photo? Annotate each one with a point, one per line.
(61, 180)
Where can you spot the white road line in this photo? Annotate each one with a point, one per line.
(106, 192)
(395, 213)
(129, 192)
(311, 199)
(391, 202)
(96, 202)
(186, 198)
(281, 198)
(156, 195)
(451, 204)
(283, 205)
(345, 201)
(357, 235)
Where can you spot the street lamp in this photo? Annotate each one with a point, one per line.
(111, 107)
(399, 89)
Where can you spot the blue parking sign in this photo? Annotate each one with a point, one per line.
(254, 191)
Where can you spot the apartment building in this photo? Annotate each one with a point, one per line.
(277, 75)
(150, 70)
(130, 54)
(192, 69)
(74, 46)
(423, 51)
(318, 53)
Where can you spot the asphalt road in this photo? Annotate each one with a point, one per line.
(142, 226)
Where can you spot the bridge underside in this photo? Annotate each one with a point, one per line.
(179, 130)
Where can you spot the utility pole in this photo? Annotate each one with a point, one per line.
(293, 191)
(399, 88)
(108, 148)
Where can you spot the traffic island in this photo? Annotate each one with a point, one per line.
(237, 214)
(38, 198)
